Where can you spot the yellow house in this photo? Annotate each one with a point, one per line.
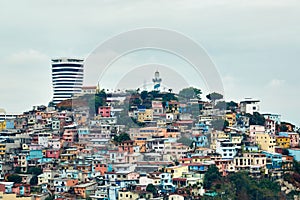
(237, 139)
(266, 142)
(2, 125)
(125, 194)
(177, 171)
(146, 115)
(217, 135)
(12, 197)
(283, 142)
(231, 118)
(200, 159)
(2, 149)
(66, 156)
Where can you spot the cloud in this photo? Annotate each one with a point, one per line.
(27, 56)
(276, 83)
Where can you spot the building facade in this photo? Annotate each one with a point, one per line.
(67, 78)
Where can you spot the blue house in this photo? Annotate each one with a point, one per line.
(35, 154)
(274, 160)
(166, 184)
(202, 126)
(295, 153)
(200, 167)
(10, 124)
(250, 148)
(200, 140)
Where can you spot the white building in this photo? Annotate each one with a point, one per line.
(226, 148)
(249, 106)
(274, 117)
(67, 78)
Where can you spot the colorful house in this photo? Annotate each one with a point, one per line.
(84, 190)
(283, 142)
(266, 142)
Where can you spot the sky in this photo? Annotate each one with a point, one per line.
(254, 45)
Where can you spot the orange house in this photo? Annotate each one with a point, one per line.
(126, 146)
(71, 182)
(102, 168)
(84, 190)
(21, 189)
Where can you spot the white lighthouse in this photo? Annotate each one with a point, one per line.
(156, 81)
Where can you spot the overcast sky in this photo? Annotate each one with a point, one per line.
(255, 45)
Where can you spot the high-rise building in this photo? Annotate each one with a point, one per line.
(67, 78)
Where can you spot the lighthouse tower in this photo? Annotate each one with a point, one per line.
(156, 81)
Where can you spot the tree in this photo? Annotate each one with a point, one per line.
(50, 198)
(246, 187)
(14, 178)
(221, 105)
(144, 95)
(190, 93)
(168, 97)
(256, 119)
(211, 175)
(34, 180)
(231, 106)
(283, 128)
(214, 96)
(51, 104)
(18, 170)
(151, 188)
(34, 170)
(121, 138)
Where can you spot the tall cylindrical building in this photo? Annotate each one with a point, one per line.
(67, 78)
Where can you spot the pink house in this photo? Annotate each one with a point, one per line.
(70, 134)
(254, 129)
(157, 108)
(294, 138)
(104, 111)
(52, 153)
(133, 176)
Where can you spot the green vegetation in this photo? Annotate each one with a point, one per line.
(34, 170)
(221, 105)
(151, 188)
(189, 93)
(96, 101)
(249, 188)
(214, 96)
(121, 138)
(14, 178)
(212, 175)
(256, 119)
(34, 180)
(283, 128)
(231, 106)
(50, 198)
(240, 186)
